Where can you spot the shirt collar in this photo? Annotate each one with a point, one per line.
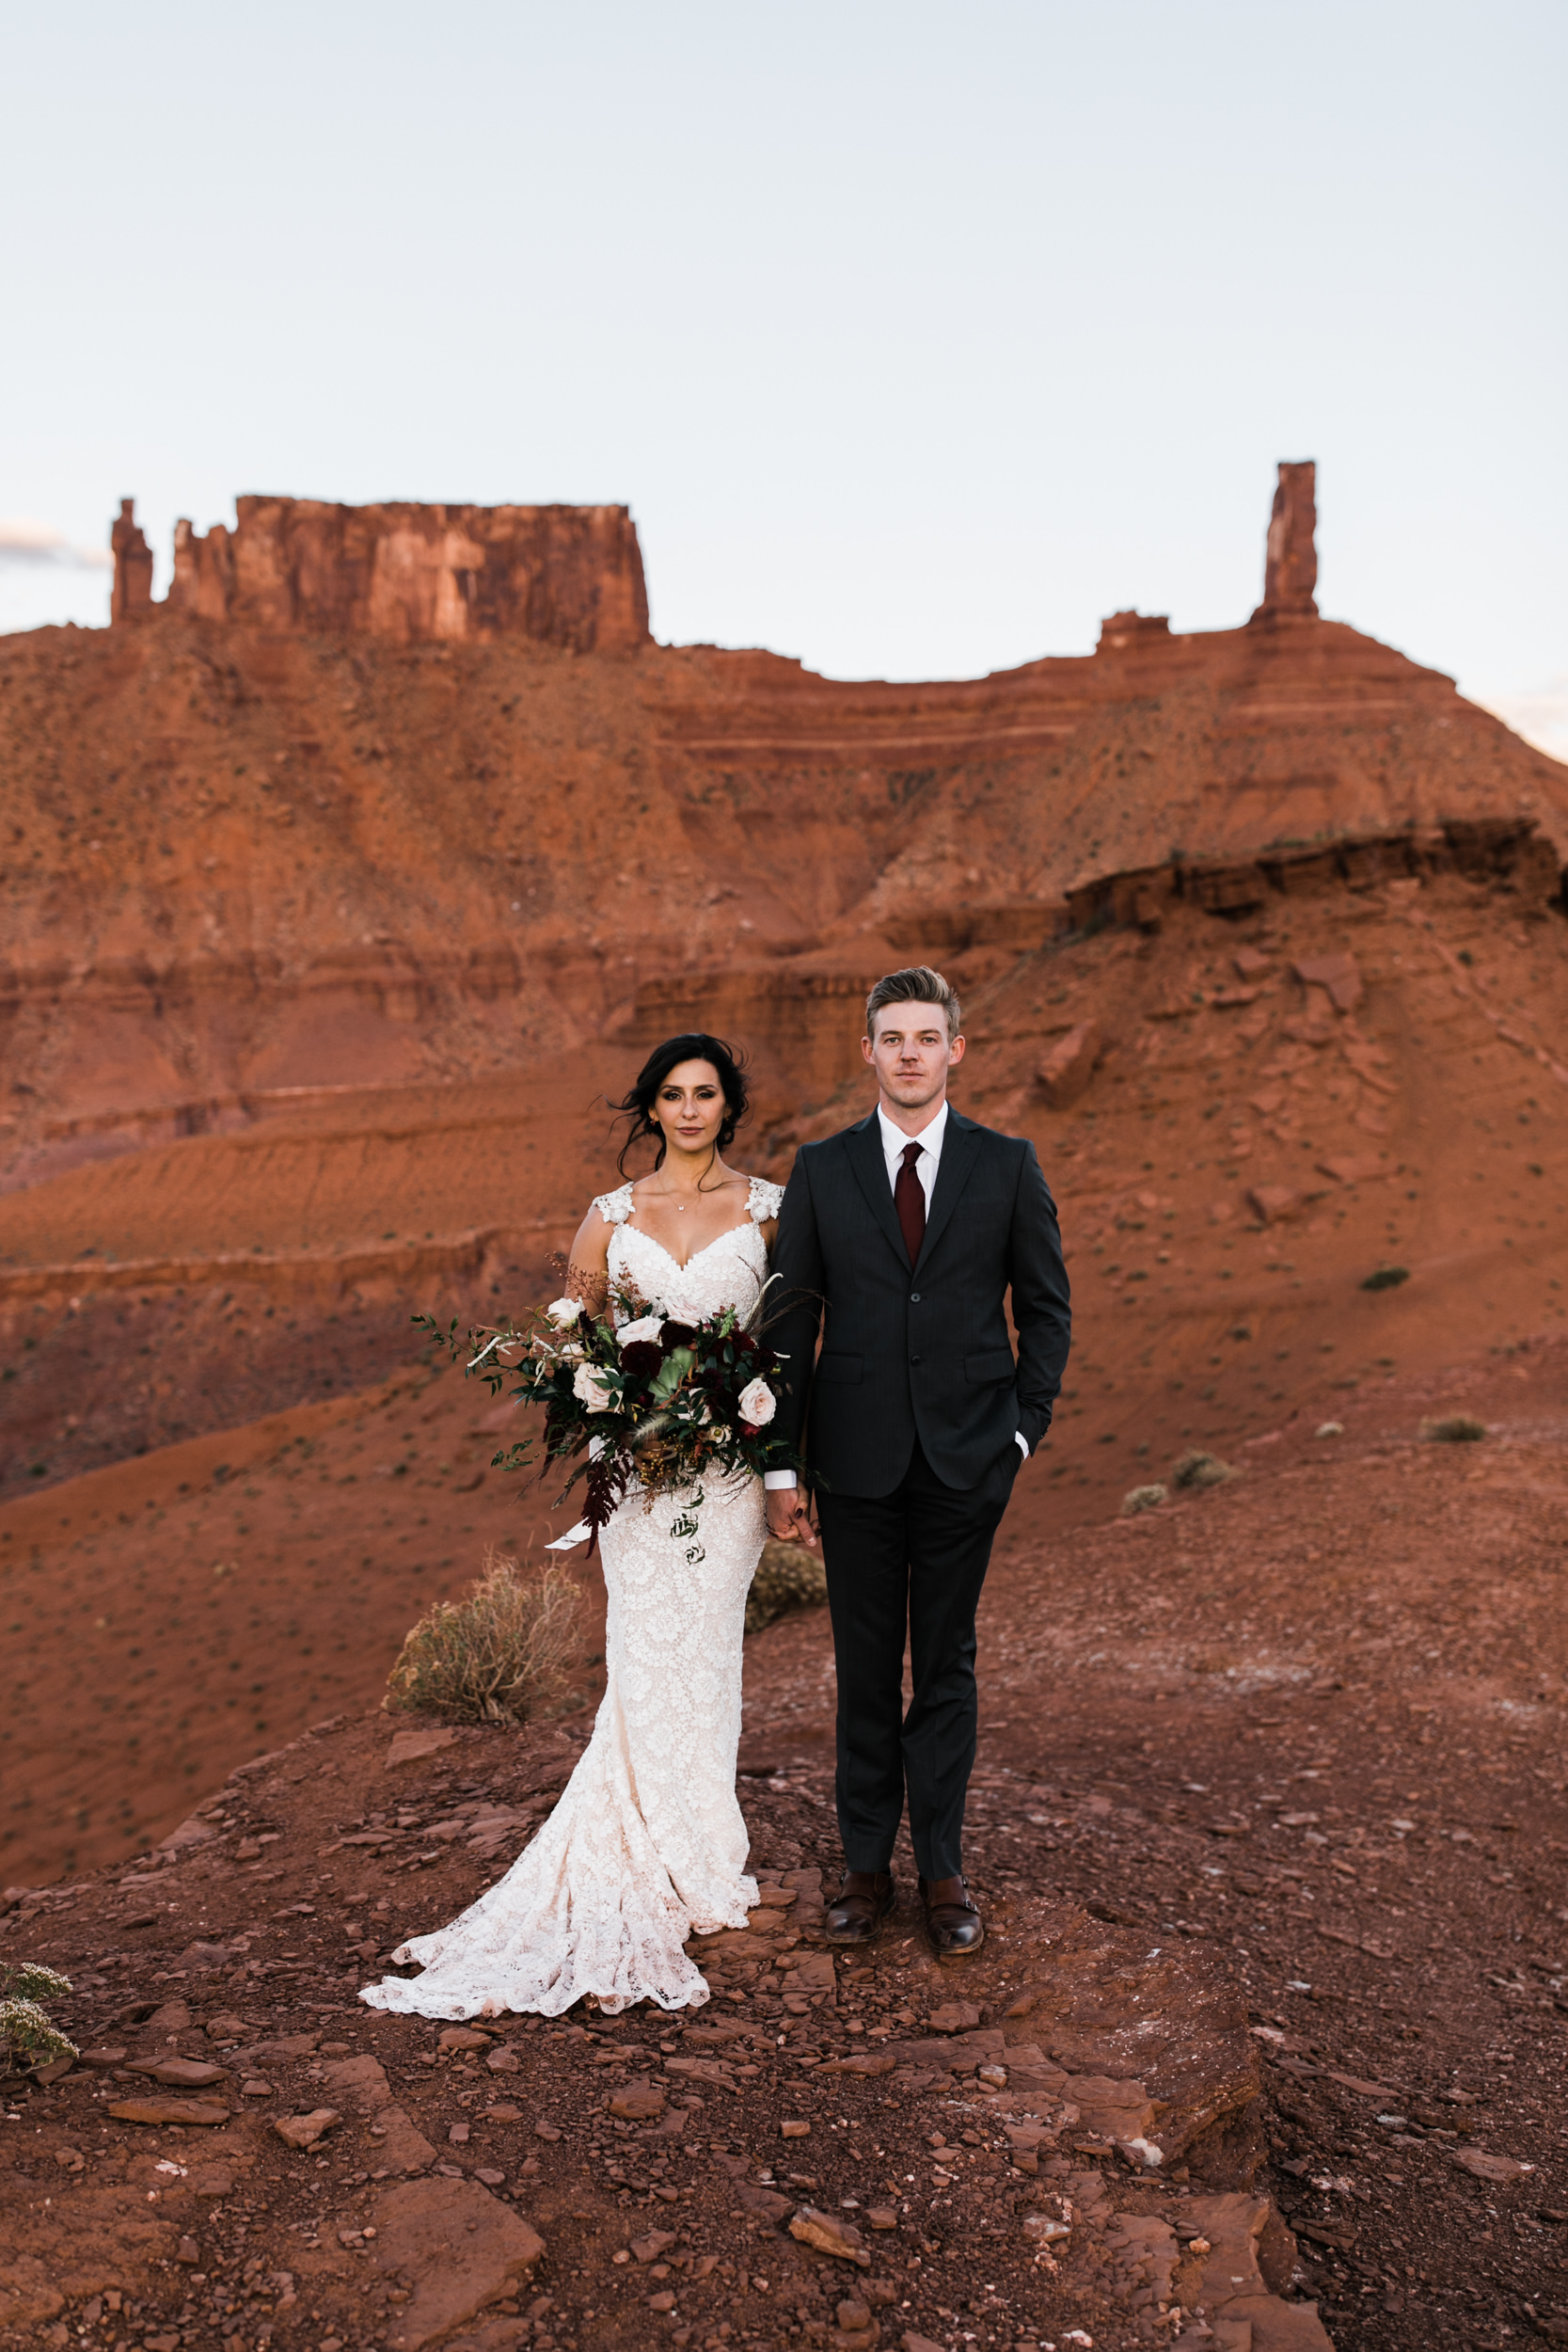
(893, 1138)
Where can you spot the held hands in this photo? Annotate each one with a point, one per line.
(790, 1517)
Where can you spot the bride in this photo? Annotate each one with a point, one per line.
(647, 1843)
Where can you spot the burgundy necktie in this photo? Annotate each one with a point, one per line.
(908, 1199)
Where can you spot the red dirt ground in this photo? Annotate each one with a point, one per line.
(1307, 1727)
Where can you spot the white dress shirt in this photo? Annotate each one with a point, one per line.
(895, 1144)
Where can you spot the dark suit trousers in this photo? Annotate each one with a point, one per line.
(912, 1561)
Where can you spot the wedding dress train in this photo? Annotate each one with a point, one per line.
(647, 1843)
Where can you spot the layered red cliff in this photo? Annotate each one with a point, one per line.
(566, 576)
(349, 810)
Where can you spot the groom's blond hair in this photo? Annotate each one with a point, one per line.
(917, 984)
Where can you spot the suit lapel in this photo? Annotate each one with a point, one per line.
(864, 1147)
(960, 1149)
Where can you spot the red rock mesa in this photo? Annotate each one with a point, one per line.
(568, 575)
(376, 796)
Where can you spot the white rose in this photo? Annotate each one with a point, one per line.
(758, 1403)
(564, 1313)
(649, 1328)
(588, 1386)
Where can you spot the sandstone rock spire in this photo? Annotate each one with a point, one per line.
(1290, 566)
(132, 589)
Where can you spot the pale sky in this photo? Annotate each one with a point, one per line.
(917, 337)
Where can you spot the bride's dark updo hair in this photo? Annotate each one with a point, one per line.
(638, 1106)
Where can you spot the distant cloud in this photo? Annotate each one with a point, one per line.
(1540, 716)
(24, 542)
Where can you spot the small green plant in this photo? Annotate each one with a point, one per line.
(1453, 1430)
(29, 2038)
(1195, 1469)
(496, 1657)
(1387, 1278)
(1138, 1498)
(787, 1577)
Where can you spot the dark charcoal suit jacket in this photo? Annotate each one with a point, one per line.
(925, 1353)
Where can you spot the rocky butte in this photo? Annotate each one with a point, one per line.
(566, 576)
(399, 795)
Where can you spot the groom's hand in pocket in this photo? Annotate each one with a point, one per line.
(790, 1517)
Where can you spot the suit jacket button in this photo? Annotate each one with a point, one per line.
(915, 1360)
(914, 1299)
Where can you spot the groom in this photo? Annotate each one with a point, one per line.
(902, 1238)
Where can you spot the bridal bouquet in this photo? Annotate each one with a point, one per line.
(649, 1399)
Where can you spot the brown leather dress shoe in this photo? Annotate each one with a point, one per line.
(859, 1908)
(952, 1921)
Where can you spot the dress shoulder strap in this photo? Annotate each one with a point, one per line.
(614, 1207)
(764, 1201)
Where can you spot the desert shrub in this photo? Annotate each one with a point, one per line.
(1138, 1498)
(1194, 1469)
(28, 2037)
(1453, 1430)
(1387, 1278)
(787, 1577)
(494, 1656)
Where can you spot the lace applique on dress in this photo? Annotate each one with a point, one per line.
(647, 1842)
(765, 1200)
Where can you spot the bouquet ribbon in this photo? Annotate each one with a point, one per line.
(573, 1536)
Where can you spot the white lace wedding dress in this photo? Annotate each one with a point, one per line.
(647, 1842)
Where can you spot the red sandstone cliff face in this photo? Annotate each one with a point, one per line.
(568, 575)
(243, 860)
